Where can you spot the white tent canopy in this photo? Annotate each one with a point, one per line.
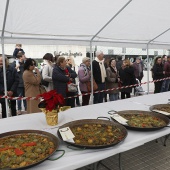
(125, 23)
(76, 22)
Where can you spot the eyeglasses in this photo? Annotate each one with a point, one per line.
(32, 65)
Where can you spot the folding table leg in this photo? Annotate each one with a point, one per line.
(104, 165)
(166, 138)
(120, 162)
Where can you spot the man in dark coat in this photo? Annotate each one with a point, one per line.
(20, 90)
(12, 80)
(138, 69)
(99, 75)
(166, 72)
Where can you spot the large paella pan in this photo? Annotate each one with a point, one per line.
(26, 148)
(161, 108)
(95, 133)
(142, 120)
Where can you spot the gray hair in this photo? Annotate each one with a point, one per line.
(98, 53)
(85, 59)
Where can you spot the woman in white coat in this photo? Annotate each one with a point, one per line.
(47, 71)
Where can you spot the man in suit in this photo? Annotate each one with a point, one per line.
(99, 74)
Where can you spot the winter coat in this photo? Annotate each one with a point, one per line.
(84, 76)
(157, 71)
(167, 69)
(47, 73)
(12, 80)
(32, 89)
(136, 70)
(60, 80)
(127, 77)
(16, 52)
(20, 72)
(96, 72)
(111, 80)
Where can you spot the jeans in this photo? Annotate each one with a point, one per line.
(114, 96)
(165, 85)
(21, 93)
(98, 97)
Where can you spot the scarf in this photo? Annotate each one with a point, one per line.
(102, 69)
(86, 69)
(140, 69)
(113, 69)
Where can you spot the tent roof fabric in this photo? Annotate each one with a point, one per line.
(76, 22)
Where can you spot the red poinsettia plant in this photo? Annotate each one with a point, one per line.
(51, 100)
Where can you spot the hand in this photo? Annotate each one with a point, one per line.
(71, 79)
(17, 66)
(9, 93)
(163, 72)
(36, 70)
(118, 79)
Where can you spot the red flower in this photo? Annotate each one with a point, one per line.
(52, 100)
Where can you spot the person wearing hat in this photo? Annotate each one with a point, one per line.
(84, 75)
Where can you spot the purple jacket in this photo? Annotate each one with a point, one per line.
(84, 77)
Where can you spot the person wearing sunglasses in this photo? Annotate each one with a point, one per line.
(32, 80)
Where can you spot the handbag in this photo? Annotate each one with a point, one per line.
(88, 84)
(44, 83)
(72, 87)
(42, 89)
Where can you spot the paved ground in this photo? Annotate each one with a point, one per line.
(150, 156)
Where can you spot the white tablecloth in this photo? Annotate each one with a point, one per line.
(77, 158)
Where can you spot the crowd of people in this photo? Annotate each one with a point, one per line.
(58, 73)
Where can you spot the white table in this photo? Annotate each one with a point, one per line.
(74, 159)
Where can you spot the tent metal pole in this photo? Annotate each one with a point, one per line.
(3, 56)
(148, 56)
(148, 68)
(111, 19)
(91, 60)
(96, 35)
(95, 42)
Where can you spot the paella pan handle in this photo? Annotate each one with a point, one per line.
(51, 159)
(102, 117)
(111, 112)
(75, 148)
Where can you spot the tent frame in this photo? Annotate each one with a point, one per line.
(148, 56)
(96, 35)
(3, 57)
(73, 40)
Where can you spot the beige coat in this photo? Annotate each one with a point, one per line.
(111, 81)
(32, 89)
